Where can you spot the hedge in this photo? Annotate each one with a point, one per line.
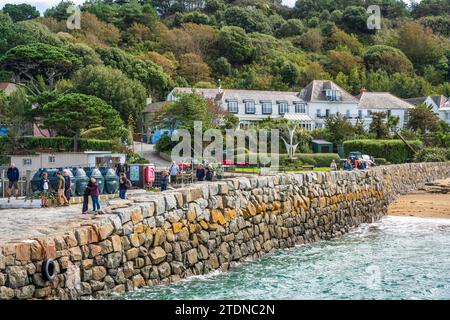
(394, 151)
(60, 144)
(314, 159)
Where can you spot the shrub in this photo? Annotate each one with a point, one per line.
(164, 144)
(380, 161)
(432, 155)
(394, 151)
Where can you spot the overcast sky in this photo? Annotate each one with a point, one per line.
(42, 5)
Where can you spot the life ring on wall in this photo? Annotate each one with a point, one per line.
(48, 269)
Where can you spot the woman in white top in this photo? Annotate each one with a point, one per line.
(44, 187)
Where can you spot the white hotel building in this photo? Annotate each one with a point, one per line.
(310, 107)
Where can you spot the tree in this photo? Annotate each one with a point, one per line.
(71, 113)
(250, 20)
(338, 128)
(355, 19)
(148, 73)
(127, 96)
(289, 73)
(193, 69)
(189, 108)
(37, 64)
(388, 59)
(221, 67)
(343, 61)
(235, 45)
(20, 12)
(133, 11)
(340, 39)
(423, 119)
(378, 126)
(292, 27)
(15, 113)
(24, 33)
(59, 12)
(311, 40)
(408, 86)
(419, 44)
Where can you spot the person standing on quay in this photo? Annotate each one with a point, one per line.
(173, 172)
(164, 180)
(62, 201)
(13, 176)
(94, 192)
(333, 166)
(43, 188)
(200, 173)
(68, 185)
(123, 186)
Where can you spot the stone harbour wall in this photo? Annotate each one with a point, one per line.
(162, 238)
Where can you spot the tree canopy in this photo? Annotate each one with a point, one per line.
(71, 113)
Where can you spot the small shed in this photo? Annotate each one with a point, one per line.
(321, 146)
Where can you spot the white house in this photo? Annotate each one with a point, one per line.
(310, 107)
(383, 102)
(253, 105)
(325, 98)
(440, 105)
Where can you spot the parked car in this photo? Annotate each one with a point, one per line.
(354, 155)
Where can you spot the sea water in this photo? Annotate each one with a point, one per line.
(394, 258)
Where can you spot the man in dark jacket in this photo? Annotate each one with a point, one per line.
(13, 176)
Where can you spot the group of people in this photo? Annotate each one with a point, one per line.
(204, 172)
(64, 188)
(349, 166)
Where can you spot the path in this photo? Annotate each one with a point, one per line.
(148, 152)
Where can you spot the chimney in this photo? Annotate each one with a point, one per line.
(362, 90)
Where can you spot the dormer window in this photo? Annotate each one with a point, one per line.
(250, 106)
(333, 95)
(283, 107)
(233, 107)
(266, 107)
(300, 108)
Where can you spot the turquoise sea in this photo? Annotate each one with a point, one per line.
(394, 258)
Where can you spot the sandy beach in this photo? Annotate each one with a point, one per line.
(431, 201)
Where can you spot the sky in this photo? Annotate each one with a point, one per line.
(42, 5)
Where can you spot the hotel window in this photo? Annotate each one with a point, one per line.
(388, 113)
(232, 107)
(300, 108)
(283, 107)
(347, 113)
(27, 162)
(360, 114)
(318, 113)
(250, 106)
(327, 113)
(266, 107)
(51, 159)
